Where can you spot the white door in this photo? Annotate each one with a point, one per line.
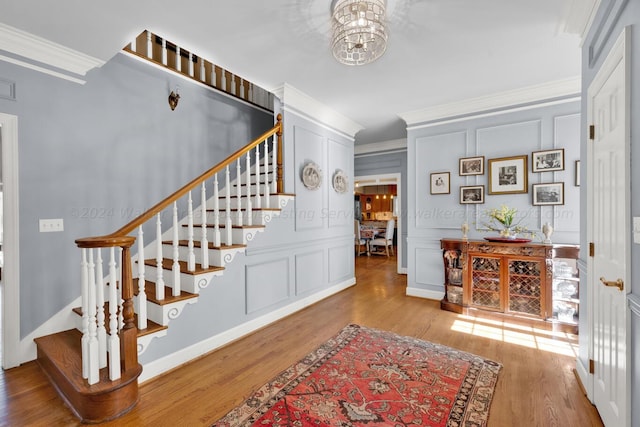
(608, 172)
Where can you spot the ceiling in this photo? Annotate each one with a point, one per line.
(439, 51)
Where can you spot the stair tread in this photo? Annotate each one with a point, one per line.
(223, 226)
(64, 351)
(150, 290)
(244, 209)
(151, 325)
(234, 196)
(167, 264)
(197, 244)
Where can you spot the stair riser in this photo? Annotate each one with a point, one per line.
(258, 217)
(191, 283)
(239, 236)
(163, 314)
(253, 188)
(275, 201)
(217, 257)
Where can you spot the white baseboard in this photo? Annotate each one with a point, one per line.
(425, 293)
(171, 361)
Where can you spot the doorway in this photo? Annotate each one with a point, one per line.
(384, 184)
(9, 285)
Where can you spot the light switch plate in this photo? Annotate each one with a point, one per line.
(636, 230)
(50, 225)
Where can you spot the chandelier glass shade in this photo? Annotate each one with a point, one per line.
(359, 35)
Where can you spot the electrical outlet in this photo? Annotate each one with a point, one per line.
(49, 225)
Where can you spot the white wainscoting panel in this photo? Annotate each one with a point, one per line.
(310, 274)
(341, 265)
(309, 147)
(266, 284)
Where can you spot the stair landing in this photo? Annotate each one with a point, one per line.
(59, 356)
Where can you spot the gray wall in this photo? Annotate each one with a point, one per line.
(612, 17)
(387, 163)
(438, 148)
(98, 154)
(307, 250)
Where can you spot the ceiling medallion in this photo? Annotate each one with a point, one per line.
(359, 35)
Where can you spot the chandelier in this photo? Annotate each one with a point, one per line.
(359, 33)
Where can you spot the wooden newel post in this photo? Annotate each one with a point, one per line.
(280, 180)
(129, 332)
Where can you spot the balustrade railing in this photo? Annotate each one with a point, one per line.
(169, 55)
(109, 330)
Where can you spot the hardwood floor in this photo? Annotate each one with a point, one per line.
(536, 386)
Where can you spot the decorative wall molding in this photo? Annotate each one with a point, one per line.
(424, 293)
(44, 51)
(7, 90)
(297, 101)
(602, 33)
(471, 108)
(579, 17)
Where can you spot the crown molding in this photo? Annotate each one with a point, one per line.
(293, 98)
(579, 16)
(502, 100)
(384, 146)
(44, 51)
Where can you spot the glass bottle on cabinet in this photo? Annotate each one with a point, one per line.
(566, 284)
(485, 282)
(453, 273)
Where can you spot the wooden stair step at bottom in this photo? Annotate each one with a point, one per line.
(150, 290)
(223, 226)
(60, 357)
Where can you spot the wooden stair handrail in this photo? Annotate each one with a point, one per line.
(116, 238)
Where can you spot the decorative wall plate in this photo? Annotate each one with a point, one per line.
(340, 181)
(311, 176)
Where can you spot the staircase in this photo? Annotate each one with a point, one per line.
(128, 299)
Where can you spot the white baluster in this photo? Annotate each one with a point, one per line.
(102, 332)
(202, 76)
(238, 193)
(242, 89)
(191, 259)
(248, 192)
(134, 46)
(159, 269)
(250, 89)
(213, 76)
(114, 338)
(258, 197)
(204, 244)
(191, 64)
(266, 173)
(120, 299)
(84, 281)
(228, 224)
(164, 52)
(142, 293)
(149, 46)
(274, 165)
(94, 357)
(175, 268)
(216, 213)
(178, 59)
(233, 84)
(223, 79)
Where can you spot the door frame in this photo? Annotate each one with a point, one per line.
(619, 52)
(382, 179)
(11, 244)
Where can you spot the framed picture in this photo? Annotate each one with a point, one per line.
(508, 175)
(440, 183)
(547, 161)
(577, 179)
(472, 194)
(472, 166)
(548, 194)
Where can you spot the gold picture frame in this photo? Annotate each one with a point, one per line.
(508, 175)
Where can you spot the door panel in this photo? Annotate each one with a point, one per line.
(608, 173)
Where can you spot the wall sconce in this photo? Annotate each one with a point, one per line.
(174, 97)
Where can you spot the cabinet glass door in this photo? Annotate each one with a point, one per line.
(525, 287)
(485, 282)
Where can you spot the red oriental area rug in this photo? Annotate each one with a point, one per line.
(364, 376)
